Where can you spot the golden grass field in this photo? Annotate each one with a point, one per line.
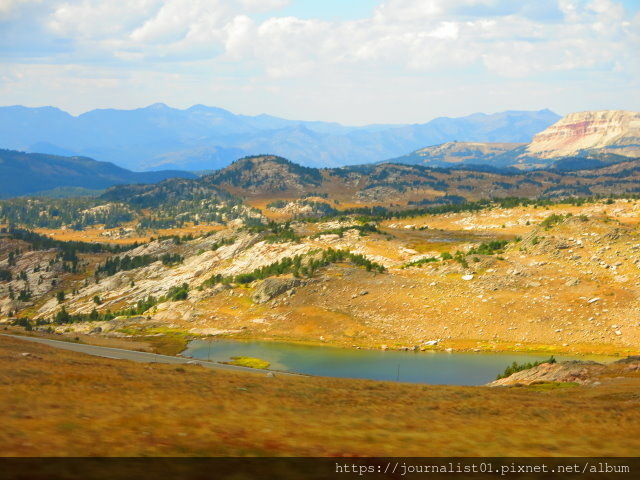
(61, 403)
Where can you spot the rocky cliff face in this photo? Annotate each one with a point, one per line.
(607, 131)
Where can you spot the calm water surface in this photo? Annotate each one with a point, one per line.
(416, 367)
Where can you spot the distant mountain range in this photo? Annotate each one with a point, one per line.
(199, 137)
(208, 138)
(28, 173)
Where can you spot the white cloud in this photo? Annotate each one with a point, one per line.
(10, 7)
(240, 36)
(419, 34)
(258, 6)
(89, 19)
(204, 43)
(177, 19)
(446, 31)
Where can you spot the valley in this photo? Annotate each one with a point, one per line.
(464, 266)
(560, 277)
(287, 239)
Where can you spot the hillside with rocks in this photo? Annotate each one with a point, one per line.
(526, 278)
(574, 371)
(456, 154)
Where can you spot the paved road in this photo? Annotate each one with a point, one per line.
(122, 354)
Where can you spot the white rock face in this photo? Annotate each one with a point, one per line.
(616, 131)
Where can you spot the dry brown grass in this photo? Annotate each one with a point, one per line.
(63, 403)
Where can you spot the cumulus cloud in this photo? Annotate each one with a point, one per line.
(427, 35)
(416, 34)
(10, 7)
(258, 6)
(251, 43)
(86, 19)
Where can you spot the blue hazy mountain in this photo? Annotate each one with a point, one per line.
(28, 173)
(200, 138)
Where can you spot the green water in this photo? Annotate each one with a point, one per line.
(439, 368)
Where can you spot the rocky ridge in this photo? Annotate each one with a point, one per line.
(460, 153)
(606, 131)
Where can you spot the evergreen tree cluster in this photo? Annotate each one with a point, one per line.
(485, 248)
(518, 367)
(114, 265)
(111, 266)
(75, 213)
(175, 293)
(299, 267)
(277, 232)
(68, 249)
(362, 229)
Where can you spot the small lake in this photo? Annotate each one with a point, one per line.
(438, 368)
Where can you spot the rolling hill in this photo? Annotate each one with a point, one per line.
(28, 173)
(453, 154)
(268, 177)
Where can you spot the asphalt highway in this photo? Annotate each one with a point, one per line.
(122, 354)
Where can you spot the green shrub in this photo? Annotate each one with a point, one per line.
(23, 322)
(362, 229)
(420, 262)
(518, 367)
(489, 248)
(222, 243)
(24, 295)
(552, 220)
(277, 204)
(178, 293)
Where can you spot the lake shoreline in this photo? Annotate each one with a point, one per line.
(435, 367)
(452, 346)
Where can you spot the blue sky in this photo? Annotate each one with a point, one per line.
(356, 62)
(327, 9)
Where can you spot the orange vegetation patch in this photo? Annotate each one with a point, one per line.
(91, 235)
(513, 221)
(113, 236)
(261, 204)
